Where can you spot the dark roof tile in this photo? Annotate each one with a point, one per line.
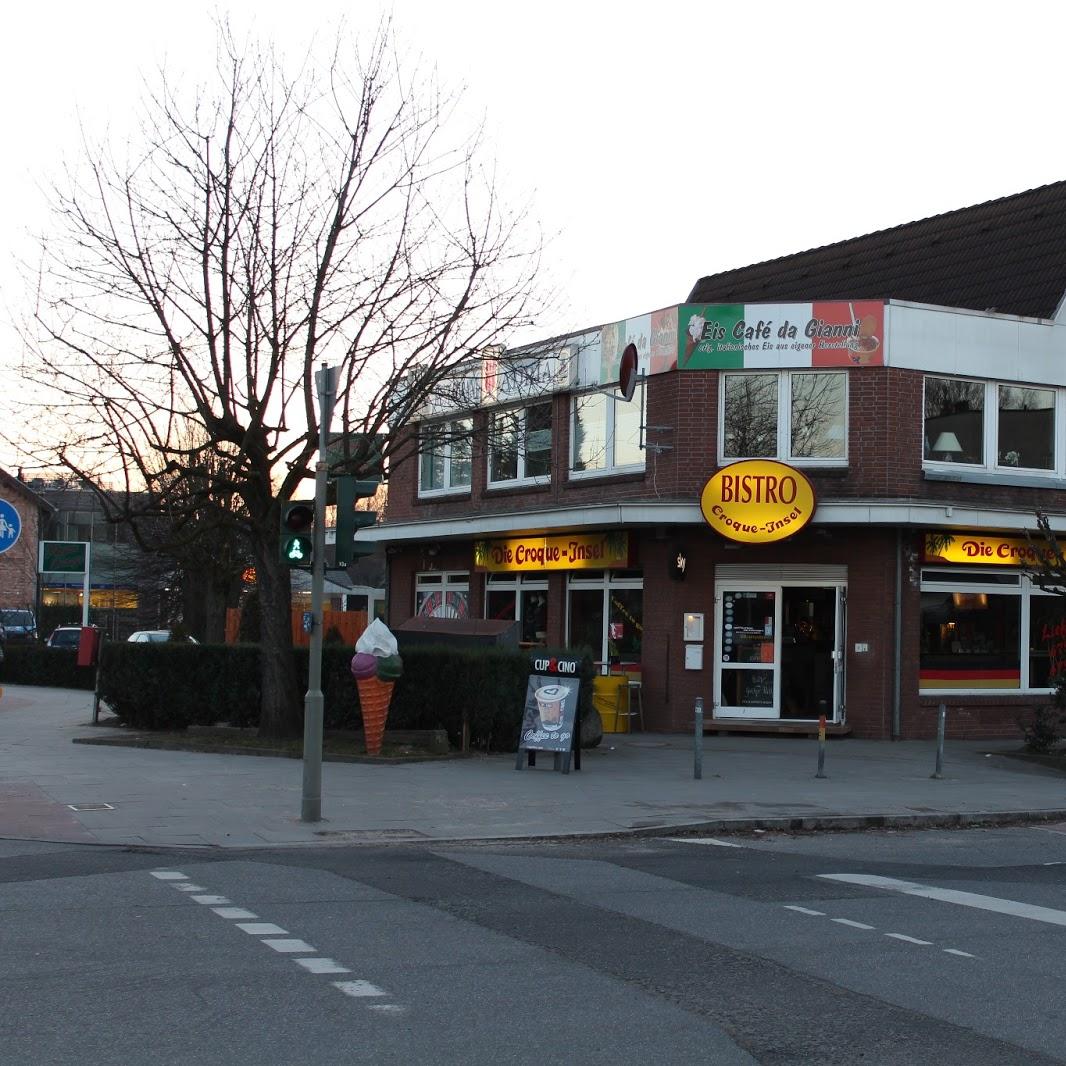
(1008, 254)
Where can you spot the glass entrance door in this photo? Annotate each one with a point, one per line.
(780, 652)
(808, 652)
(747, 685)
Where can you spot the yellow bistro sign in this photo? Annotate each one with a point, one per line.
(979, 549)
(577, 551)
(757, 501)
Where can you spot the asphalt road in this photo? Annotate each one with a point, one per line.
(909, 947)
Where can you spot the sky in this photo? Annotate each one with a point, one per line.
(656, 143)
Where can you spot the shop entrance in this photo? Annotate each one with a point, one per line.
(779, 653)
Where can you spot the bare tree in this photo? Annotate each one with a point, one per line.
(254, 230)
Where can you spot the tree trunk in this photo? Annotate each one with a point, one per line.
(281, 707)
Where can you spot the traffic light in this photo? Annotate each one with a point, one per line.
(297, 522)
(350, 521)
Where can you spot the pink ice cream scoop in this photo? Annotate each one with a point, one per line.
(364, 665)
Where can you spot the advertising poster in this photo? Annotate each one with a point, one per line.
(550, 713)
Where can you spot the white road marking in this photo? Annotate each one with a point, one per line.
(949, 895)
(359, 988)
(909, 939)
(169, 875)
(955, 951)
(233, 913)
(704, 840)
(321, 966)
(386, 1008)
(212, 900)
(188, 887)
(262, 929)
(290, 946)
(854, 925)
(804, 910)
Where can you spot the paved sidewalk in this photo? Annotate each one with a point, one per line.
(629, 784)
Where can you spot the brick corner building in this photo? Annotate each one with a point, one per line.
(912, 381)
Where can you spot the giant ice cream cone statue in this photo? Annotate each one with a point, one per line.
(375, 696)
(375, 666)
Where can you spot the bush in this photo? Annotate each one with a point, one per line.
(172, 686)
(36, 664)
(1042, 729)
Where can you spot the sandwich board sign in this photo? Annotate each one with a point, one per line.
(549, 719)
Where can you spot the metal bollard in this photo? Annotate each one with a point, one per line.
(942, 718)
(697, 741)
(821, 746)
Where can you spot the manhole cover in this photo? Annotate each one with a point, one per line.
(90, 806)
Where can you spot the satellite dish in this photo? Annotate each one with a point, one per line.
(627, 372)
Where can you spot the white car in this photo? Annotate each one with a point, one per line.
(154, 636)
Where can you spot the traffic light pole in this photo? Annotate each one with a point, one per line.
(311, 807)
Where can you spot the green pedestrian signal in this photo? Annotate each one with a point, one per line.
(296, 546)
(350, 521)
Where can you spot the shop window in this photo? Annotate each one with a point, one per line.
(520, 444)
(979, 633)
(1026, 429)
(605, 433)
(798, 416)
(442, 595)
(522, 600)
(444, 457)
(989, 424)
(606, 615)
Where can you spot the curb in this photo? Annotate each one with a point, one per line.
(724, 826)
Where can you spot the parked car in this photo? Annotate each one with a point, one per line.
(64, 637)
(154, 636)
(18, 624)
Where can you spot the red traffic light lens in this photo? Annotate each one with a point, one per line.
(300, 518)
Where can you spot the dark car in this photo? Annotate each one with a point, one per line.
(65, 637)
(19, 625)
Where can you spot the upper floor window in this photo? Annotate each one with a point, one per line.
(520, 446)
(989, 424)
(444, 457)
(605, 433)
(799, 416)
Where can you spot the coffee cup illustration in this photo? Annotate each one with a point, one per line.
(550, 705)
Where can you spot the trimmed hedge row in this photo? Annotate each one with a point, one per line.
(36, 664)
(173, 686)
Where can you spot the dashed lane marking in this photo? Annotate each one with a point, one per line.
(955, 951)
(804, 910)
(359, 989)
(908, 939)
(854, 925)
(291, 947)
(321, 966)
(275, 937)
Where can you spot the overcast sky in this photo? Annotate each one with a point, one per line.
(659, 141)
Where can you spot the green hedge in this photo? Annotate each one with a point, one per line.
(36, 664)
(172, 686)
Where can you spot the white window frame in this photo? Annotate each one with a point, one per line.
(784, 416)
(990, 431)
(605, 580)
(447, 489)
(1025, 589)
(444, 582)
(610, 467)
(522, 478)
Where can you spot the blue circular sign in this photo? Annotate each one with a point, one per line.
(10, 526)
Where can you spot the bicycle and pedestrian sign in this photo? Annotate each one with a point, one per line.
(10, 526)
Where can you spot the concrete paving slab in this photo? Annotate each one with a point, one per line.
(638, 783)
